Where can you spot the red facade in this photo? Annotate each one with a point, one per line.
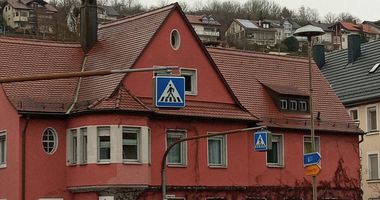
(97, 107)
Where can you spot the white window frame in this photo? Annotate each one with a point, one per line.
(369, 165)
(223, 154)
(177, 43)
(178, 133)
(83, 149)
(56, 140)
(291, 102)
(138, 145)
(368, 107)
(4, 163)
(357, 113)
(193, 73)
(281, 158)
(106, 198)
(98, 144)
(317, 144)
(284, 102)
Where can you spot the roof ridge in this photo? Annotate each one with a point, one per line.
(258, 54)
(137, 16)
(35, 42)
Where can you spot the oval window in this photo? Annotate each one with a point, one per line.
(49, 140)
(175, 39)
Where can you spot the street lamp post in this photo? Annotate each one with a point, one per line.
(309, 31)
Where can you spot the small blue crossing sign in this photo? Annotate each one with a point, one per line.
(262, 141)
(311, 158)
(169, 91)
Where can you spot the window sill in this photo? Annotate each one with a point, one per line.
(217, 166)
(275, 166)
(191, 93)
(373, 181)
(132, 163)
(2, 166)
(177, 165)
(374, 132)
(103, 162)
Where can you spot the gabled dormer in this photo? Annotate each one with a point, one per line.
(288, 98)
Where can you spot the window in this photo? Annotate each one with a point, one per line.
(131, 143)
(217, 151)
(303, 106)
(307, 144)
(374, 68)
(49, 141)
(3, 149)
(284, 104)
(190, 80)
(104, 144)
(73, 144)
(371, 119)
(83, 145)
(275, 155)
(175, 39)
(373, 166)
(17, 14)
(23, 14)
(106, 198)
(177, 155)
(293, 105)
(354, 114)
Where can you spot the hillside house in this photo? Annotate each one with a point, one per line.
(206, 27)
(32, 16)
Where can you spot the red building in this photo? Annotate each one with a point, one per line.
(102, 137)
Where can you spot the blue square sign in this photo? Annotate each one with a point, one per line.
(169, 91)
(261, 140)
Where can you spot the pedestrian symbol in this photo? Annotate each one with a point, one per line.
(170, 94)
(169, 91)
(260, 142)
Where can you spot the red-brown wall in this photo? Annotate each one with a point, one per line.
(10, 177)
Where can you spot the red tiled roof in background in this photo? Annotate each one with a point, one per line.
(366, 28)
(119, 45)
(285, 89)
(245, 70)
(28, 57)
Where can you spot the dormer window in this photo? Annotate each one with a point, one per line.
(293, 105)
(284, 104)
(303, 106)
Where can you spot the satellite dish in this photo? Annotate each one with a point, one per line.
(71, 20)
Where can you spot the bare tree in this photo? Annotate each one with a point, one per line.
(306, 14)
(330, 18)
(347, 17)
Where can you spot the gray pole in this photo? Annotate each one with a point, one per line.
(314, 178)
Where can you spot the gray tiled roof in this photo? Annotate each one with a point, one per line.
(352, 82)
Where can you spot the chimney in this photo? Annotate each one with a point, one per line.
(88, 24)
(319, 55)
(354, 50)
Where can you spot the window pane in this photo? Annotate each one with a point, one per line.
(105, 150)
(371, 115)
(187, 83)
(272, 155)
(130, 146)
(215, 151)
(49, 140)
(83, 147)
(373, 162)
(177, 153)
(307, 144)
(2, 149)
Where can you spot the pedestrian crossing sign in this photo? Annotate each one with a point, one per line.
(262, 141)
(169, 91)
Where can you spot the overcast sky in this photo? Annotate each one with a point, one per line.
(363, 9)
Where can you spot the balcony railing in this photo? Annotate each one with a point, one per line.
(208, 33)
(20, 19)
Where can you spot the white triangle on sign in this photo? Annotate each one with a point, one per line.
(170, 94)
(260, 142)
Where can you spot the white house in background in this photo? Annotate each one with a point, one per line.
(206, 27)
(35, 16)
(107, 13)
